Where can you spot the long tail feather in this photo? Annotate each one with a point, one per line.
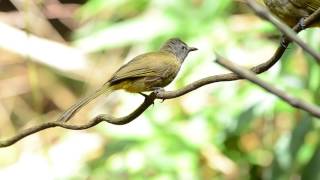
(106, 89)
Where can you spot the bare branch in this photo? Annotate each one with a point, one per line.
(98, 119)
(286, 30)
(314, 110)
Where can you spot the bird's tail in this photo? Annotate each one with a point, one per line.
(106, 89)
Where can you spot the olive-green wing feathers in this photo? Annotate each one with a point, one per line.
(310, 5)
(314, 4)
(149, 64)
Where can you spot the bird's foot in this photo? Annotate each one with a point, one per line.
(301, 23)
(158, 90)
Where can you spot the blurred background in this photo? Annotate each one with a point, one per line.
(52, 52)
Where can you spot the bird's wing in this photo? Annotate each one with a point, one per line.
(149, 64)
(310, 5)
(314, 4)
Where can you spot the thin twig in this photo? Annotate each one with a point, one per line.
(98, 119)
(244, 73)
(286, 30)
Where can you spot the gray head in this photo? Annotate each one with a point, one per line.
(178, 48)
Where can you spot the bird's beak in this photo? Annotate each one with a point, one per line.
(192, 49)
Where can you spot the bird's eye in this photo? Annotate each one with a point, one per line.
(184, 48)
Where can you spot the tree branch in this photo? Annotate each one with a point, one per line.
(286, 30)
(98, 119)
(244, 73)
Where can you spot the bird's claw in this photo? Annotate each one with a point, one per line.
(158, 91)
(302, 26)
(301, 23)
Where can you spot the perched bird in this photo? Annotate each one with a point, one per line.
(292, 11)
(146, 72)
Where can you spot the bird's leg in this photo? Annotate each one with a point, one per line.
(158, 90)
(301, 23)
